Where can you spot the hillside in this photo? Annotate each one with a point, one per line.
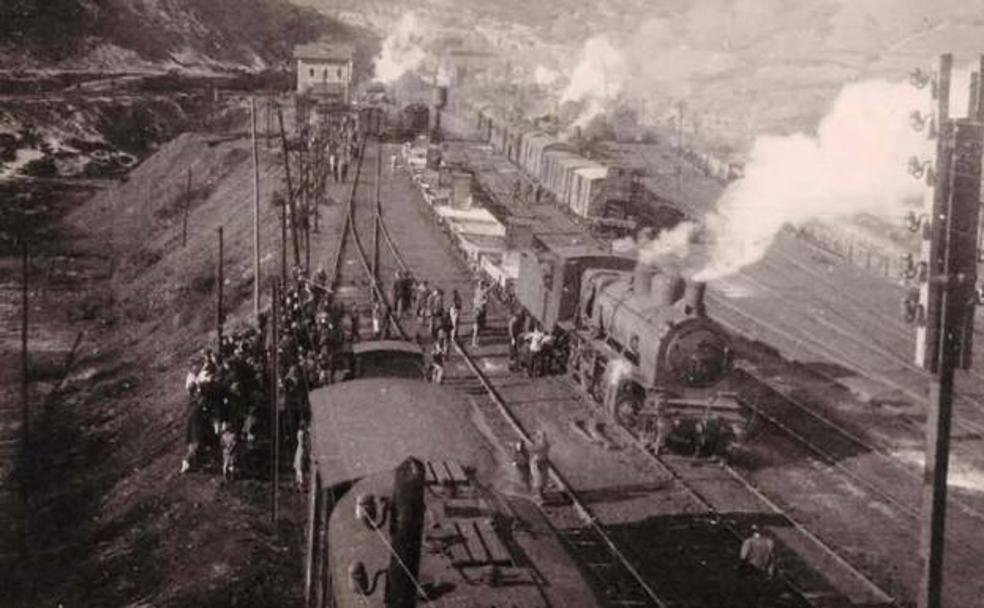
(115, 522)
(742, 67)
(138, 35)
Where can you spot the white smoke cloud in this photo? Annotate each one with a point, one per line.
(544, 76)
(402, 50)
(856, 163)
(669, 247)
(598, 80)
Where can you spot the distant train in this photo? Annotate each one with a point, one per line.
(590, 189)
(586, 187)
(639, 340)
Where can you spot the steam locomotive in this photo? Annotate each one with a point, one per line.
(639, 341)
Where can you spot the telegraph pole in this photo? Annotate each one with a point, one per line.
(679, 166)
(25, 378)
(219, 317)
(291, 194)
(930, 292)
(256, 209)
(275, 410)
(184, 211)
(951, 280)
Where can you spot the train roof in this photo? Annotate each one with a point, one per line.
(593, 172)
(541, 137)
(401, 346)
(361, 427)
(570, 244)
(568, 159)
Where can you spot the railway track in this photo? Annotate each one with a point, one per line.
(613, 573)
(813, 416)
(618, 582)
(888, 364)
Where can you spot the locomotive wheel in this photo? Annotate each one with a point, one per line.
(626, 411)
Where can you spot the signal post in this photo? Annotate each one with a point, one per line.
(947, 293)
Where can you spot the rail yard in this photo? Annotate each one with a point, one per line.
(397, 330)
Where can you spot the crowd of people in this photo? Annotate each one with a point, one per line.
(229, 388)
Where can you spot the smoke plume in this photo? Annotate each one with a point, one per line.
(670, 247)
(402, 50)
(856, 163)
(544, 76)
(598, 80)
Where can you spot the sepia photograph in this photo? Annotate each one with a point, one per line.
(491, 304)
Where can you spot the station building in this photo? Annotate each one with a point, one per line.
(324, 71)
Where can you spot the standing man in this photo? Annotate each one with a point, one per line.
(757, 566)
(333, 164)
(300, 454)
(515, 332)
(540, 465)
(438, 356)
(397, 293)
(454, 314)
(536, 338)
(521, 460)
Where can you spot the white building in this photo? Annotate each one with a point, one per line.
(324, 71)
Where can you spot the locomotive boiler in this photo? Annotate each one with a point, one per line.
(647, 351)
(640, 342)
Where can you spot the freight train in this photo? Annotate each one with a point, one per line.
(639, 341)
(595, 190)
(587, 188)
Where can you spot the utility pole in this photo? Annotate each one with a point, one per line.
(951, 277)
(275, 410)
(283, 239)
(25, 379)
(268, 135)
(378, 219)
(290, 190)
(679, 166)
(256, 209)
(930, 292)
(184, 213)
(219, 318)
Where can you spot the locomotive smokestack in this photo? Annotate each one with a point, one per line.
(693, 298)
(667, 287)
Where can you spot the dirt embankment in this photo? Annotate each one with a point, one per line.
(113, 523)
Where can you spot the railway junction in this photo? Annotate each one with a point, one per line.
(572, 412)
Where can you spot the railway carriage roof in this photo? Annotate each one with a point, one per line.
(361, 427)
(569, 246)
(570, 160)
(592, 173)
(401, 346)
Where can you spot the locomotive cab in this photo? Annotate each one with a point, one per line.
(550, 275)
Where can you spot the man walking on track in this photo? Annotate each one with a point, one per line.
(756, 568)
